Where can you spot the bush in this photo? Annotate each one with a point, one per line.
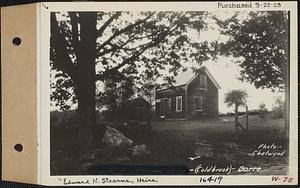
(262, 110)
(111, 115)
(64, 126)
(277, 113)
(135, 130)
(278, 108)
(64, 119)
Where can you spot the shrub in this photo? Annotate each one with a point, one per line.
(64, 119)
(278, 108)
(262, 110)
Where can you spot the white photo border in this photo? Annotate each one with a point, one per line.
(43, 12)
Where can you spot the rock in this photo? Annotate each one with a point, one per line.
(140, 150)
(114, 138)
(114, 148)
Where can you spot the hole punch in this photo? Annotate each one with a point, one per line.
(18, 147)
(16, 41)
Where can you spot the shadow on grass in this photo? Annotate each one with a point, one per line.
(172, 142)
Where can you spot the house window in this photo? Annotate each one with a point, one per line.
(179, 103)
(198, 103)
(169, 104)
(203, 81)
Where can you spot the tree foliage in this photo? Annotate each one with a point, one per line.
(278, 109)
(236, 98)
(115, 94)
(262, 110)
(128, 44)
(261, 40)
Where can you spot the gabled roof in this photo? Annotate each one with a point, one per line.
(185, 78)
(214, 81)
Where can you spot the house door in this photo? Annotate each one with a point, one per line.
(163, 108)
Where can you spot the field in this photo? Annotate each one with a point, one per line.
(172, 142)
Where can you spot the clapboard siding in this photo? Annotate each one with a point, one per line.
(192, 89)
(212, 100)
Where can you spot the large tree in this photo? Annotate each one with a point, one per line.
(92, 47)
(260, 42)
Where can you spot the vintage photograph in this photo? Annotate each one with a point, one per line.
(169, 92)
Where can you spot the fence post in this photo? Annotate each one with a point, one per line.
(247, 116)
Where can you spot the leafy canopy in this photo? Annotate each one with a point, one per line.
(261, 40)
(129, 46)
(236, 97)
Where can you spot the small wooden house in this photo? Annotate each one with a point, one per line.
(195, 99)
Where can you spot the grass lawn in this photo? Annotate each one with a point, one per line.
(172, 142)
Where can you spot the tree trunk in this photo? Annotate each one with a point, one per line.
(86, 110)
(236, 117)
(85, 83)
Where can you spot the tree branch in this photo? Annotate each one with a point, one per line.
(119, 32)
(106, 24)
(115, 47)
(142, 48)
(75, 32)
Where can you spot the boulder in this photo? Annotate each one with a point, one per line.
(114, 148)
(114, 138)
(140, 150)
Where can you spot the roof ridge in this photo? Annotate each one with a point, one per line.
(195, 74)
